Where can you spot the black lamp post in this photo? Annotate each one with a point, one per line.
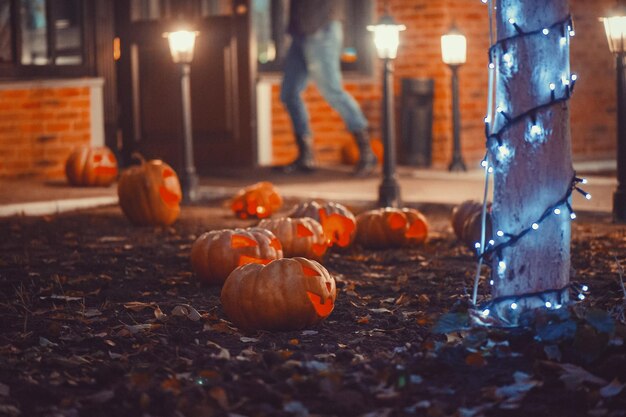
(453, 53)
(181, 45)
(615, 28)
(387, 39)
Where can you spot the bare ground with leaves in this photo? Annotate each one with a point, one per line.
(98, 318)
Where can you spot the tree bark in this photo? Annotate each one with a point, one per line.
(534, 171)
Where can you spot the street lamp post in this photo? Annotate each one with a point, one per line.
(615, 28)
(453, 53)
(181, 45)
(387, 39)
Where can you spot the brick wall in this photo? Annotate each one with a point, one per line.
(593, 108)
(39, 127)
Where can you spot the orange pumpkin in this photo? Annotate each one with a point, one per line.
(467, 222)
(350, 152)
(259, 201)
(217, 253)
(299, 236)
(391, 227)
(89, 166)
(150, 194)
(338, 222)
(286, 294)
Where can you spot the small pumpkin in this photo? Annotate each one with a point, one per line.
(259, 201)
(286, 294)
(299, 236)
(391, 227)
(338, 222)
(150, 193)
(91, 166)
(350, 152)
(217, 253)
(466, 222)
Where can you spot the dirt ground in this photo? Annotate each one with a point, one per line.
(100, 318)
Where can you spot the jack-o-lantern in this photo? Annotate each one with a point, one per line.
(466, 222)
(391, 227)
(216, 254)
(89, 166)
(299, 236)
(286, 294)
(259, 201)
(150, 194)
(338, 222)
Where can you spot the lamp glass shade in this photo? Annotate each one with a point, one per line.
(615, 28)
(386, 37)
(181, 44)
(453, 48)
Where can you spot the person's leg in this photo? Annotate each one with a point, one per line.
(322, 54)
(295, 77)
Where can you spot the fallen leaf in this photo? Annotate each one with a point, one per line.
(185, 310)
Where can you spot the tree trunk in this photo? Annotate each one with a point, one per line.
(532, 159)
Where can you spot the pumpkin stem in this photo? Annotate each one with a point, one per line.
(139, 157)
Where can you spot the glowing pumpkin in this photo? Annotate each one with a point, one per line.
(150, 194)
(391, 227)
(286, 294)
(259, 201)
(338, 222)
(299, 236)
(89, 166)
(467, 222)
(216, 254)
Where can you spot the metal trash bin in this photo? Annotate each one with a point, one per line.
(416, 124)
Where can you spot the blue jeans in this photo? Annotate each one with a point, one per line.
(318, 56)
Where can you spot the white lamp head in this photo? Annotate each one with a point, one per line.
(453, 47)
(386, 37)
(615, 28)
(181, 44)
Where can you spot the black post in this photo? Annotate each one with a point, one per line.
(457, 163)
(619, 197)
(189, 180)
(389, 190)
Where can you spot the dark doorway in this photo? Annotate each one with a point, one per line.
(222, 82)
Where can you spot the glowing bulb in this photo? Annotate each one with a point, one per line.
(484, 1)
(557, 306)
(485, 312)
(572, 32)
(535, 226)
(499, 109)
(585, 288)
(511, 21)
(581, 297)
(484, 163)
(574, 77)
(545, 31)
(492, 242)
(503, 151)
(535, 130)
(548, 304)
(583, 181)
(552, 86)
(572, 216)
(501, 267)
(563, 41)
(490, 170)
(477, 245)
(500, 233)
(487, 119)
(492, 65)
(588, 196)
(508, 59)
(490, 282)
(513, 306)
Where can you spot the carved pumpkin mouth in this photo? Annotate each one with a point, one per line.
(169, 198)
(104, 170)
(322, 308)
(417, 229)
(337, 228)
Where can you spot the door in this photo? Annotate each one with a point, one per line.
(222, 77)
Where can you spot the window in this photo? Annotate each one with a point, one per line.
(270, 19)
(43, 38)
(163, 9)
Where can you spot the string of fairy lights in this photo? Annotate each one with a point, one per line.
(500, 54)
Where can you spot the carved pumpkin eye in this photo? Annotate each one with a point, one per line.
(239, 241)
(275, 243)
(97, 158)
(417, 229)
(168, 173)
(303, 231)
(310, 272)
(322, 307)
(396, 221)
(339, 229)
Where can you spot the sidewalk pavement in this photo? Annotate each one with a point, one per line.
(37, 197)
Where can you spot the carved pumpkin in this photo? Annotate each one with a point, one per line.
(350, 152)
(216, 254)
(391, 227)
(150, 194)
(338, 222)
(259, 201)
(467, 222)
(89, 166)
(299, 236)
(286, 294)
